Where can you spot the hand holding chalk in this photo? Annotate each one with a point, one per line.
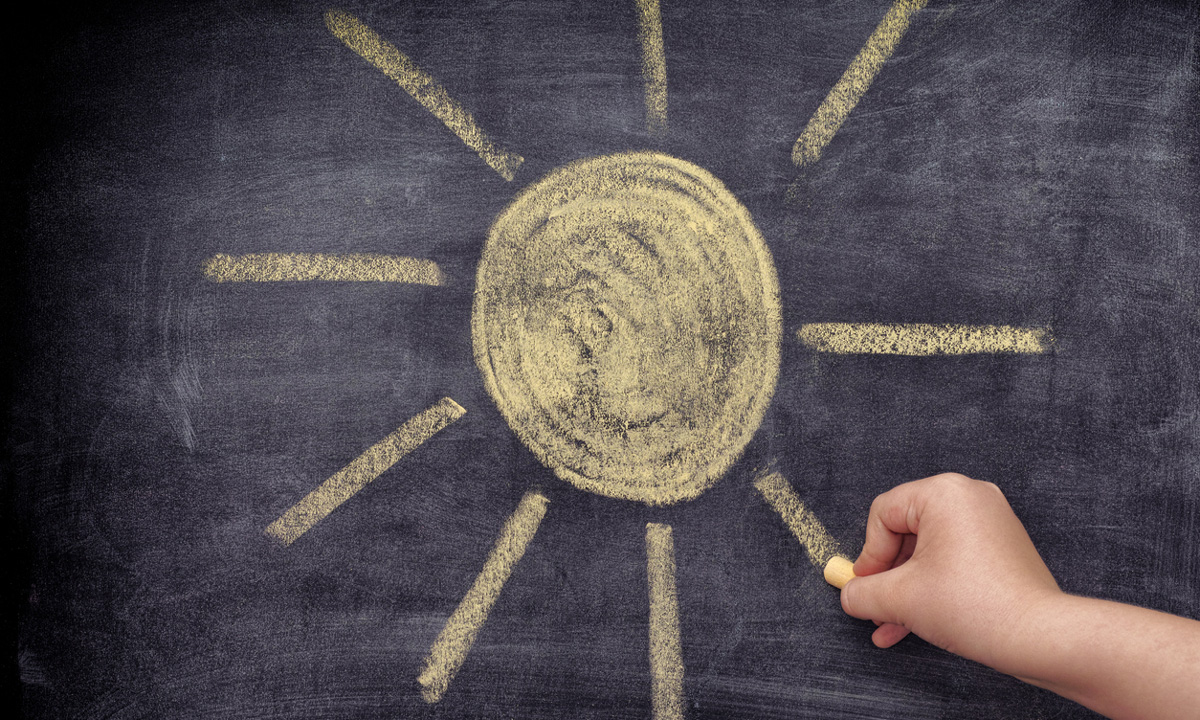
(946, 558)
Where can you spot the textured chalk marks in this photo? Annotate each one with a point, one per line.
(923, 339)
(654, 65)
(295, 267)
(849, 89)
(627, 324)
(424, 89)
(339, 488)
(455, 641)
(666, 654)
(813, 536)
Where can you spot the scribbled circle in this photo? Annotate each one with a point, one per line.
(626, 321)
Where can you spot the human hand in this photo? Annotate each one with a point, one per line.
(946, 558)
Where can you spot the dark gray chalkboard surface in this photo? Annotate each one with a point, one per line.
(1027, 168)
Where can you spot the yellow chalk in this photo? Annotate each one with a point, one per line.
(923, 339)
(422, 87)
(378, 458)
(666, 656)
(817, 541)
(626, 322)
(839, 571)
(654, 65)
(299, 267)
(849, 90)
(450, 649)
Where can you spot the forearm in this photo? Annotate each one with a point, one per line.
(1119, 660)
(946, 558)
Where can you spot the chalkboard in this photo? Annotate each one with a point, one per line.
(292, 433)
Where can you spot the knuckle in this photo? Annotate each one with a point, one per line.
(876, 508)
(954, 479)
(912, 518)
(848, 600)
(954, 483)
(993, 488)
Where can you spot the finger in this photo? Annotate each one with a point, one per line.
(893, 515)
(881, 546)
(906, 550)
(875, 597)
(888, 634)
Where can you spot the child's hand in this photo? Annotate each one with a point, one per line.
(946, 558)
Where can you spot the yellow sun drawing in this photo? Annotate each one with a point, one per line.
(626, 322)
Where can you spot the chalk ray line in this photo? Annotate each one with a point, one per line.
(654, 65)
(666, 654)
(824, 123)
(297, 267)
(452, 645)
(923, 339)
(342, 485)
(422, 87)
(814, 538)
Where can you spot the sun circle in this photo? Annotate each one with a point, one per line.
(627, 323)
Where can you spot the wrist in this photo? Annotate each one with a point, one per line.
(1039, 639)
(1070, 647)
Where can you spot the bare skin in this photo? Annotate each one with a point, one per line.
(946, 558)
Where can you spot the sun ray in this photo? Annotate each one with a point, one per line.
(455, 641)
(813, 536)
(290, 267)
(339, 488)
(666, 655)
(654, 65)
(424, 89)
(923, 339)
(849, 89)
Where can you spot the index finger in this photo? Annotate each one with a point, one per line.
(894, 514)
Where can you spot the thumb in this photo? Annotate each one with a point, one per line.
(877, 597)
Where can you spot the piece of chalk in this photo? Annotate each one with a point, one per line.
(839, 571)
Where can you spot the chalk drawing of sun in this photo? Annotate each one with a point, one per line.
(626, 322)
